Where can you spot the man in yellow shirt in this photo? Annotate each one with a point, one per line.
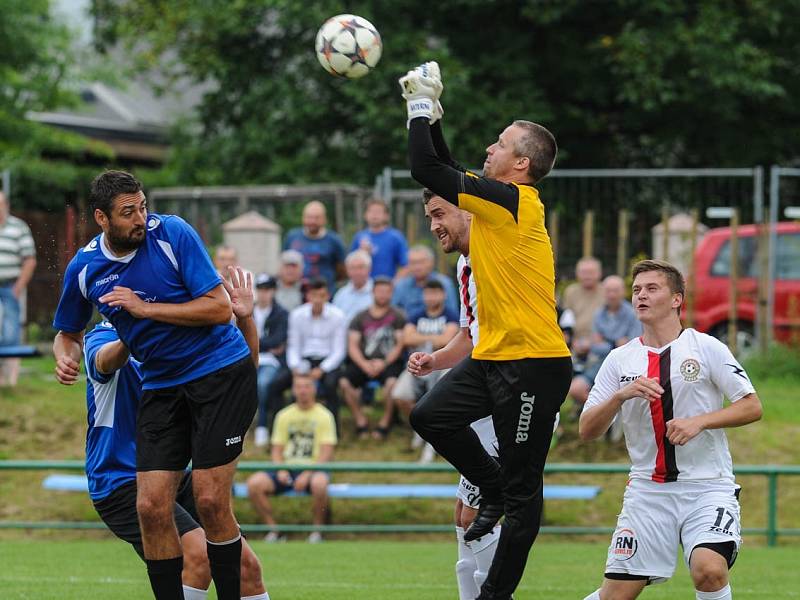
(520, 368)
(304, 433)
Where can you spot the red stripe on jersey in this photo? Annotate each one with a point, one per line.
(659, 427)
(465, 297)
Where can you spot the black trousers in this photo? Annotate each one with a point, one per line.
(523, 396)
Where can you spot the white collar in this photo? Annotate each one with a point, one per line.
(111, 256)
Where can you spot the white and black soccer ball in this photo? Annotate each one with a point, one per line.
(348, 46)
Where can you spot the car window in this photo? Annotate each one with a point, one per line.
(748, 262)
(787, 258)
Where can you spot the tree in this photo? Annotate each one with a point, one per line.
(660, 83)
(37, 73)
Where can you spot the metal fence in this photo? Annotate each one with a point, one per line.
(771, 529)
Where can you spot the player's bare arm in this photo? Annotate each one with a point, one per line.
(595, 421)
(742, 412)
(67, 349)
(240, 290)
(213, 308)
(111, 357)
(422, 363)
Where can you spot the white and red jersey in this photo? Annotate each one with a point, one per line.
(469, 318)
(469, 298)
(696, 371)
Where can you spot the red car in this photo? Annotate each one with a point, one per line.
(712, 284)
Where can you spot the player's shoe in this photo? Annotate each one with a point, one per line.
(489, 513)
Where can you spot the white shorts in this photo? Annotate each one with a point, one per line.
(656, 518)
(468, 493)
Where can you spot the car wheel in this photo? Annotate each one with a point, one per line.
(745, 336)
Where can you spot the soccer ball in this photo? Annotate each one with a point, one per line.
(348, 46)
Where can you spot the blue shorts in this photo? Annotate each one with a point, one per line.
(281, 488)
(10, 328)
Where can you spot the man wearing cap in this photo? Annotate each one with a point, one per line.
(289, 291)
(272, 324)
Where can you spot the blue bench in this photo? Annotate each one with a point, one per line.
(78, 483)
(19, 352)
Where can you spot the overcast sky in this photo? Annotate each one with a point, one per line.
(76, 13)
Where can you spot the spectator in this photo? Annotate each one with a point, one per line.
(322, 250)
(17, 262)
(225, 256)
(408, 291)
(584, 298)
(317, 344)
(272, 324)
(386, 245)
(289, 293)
(305, 432)
(425, 331)
(356, 295)
(375, 352)
(615, 324)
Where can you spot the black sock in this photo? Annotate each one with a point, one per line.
(165, 578)
(225, 562)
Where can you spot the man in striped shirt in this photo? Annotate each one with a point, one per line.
(17, 262)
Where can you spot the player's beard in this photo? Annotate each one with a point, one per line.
(125, 241)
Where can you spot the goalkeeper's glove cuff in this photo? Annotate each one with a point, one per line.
(420, 107)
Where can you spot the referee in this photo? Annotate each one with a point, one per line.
(520, 370)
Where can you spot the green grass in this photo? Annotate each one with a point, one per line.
(362, 570)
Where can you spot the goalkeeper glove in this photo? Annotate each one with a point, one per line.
(421, 90)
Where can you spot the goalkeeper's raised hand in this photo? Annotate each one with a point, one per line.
(421, 89)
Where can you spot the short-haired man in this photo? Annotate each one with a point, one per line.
(667, 386)
(322, 249)
(151, 277)
(584, 298)
(317, 344)
(408, 289)
(272, 323)
(386, 245)
(356, 294)
(375, 352)
(615, 324)
(113, 395)
(17, 263)
(304, 432)
(451, 226)
(425, 331)
(289, 291)
(520, 369)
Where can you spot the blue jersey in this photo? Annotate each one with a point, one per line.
(171, 266)
(320, 255)
(111, 402)
(388, 248)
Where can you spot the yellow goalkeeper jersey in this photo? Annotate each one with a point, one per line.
(512, 263)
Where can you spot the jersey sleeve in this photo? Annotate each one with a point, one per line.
(401, 250)
(327, 429)
(93, 343)
(606, 382)
(486, 198)
(280, 431)
(74, 309)
(27, 248)
(193, 263)
(726, 372)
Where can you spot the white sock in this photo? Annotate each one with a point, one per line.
(190, 593)
(264, 596)
(465, 569)
(483, 551)
(723, 594)
(595, 595)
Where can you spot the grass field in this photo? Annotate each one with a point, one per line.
(77, 570)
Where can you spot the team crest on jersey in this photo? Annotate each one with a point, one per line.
(690, 369)
(90, 246)
(625, 544)
(152, 223)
